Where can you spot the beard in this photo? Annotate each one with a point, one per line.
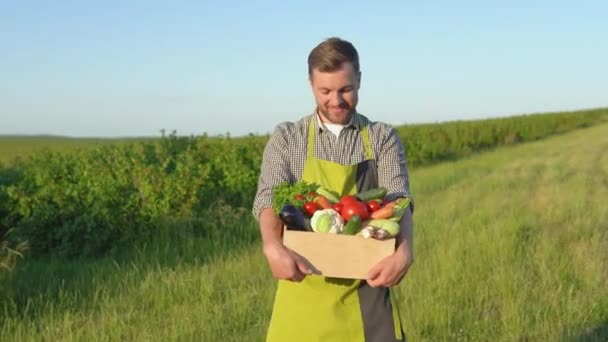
(342, 117)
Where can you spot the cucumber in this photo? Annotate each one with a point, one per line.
(330, 195)
(353, 225)
(368, 195)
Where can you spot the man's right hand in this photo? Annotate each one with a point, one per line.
(285, 263)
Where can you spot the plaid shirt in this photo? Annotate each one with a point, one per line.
(285, 155)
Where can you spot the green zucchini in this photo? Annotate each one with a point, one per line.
(353, 225)
(371, 194)
(330, 195)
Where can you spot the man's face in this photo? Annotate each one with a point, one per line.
(336, 92)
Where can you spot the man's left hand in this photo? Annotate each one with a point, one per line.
(390, 270)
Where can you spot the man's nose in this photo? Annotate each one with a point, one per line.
(337, 99)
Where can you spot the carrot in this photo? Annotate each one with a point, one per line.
(383, 213)
(323, 202)
(391, 204)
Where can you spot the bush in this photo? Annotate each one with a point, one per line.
(431, 143)
(98, 200)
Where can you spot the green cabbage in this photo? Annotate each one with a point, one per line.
(327, 221)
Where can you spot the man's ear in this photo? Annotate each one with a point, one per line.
(359, 80)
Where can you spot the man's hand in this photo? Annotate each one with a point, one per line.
(390, 270)
(284, 263)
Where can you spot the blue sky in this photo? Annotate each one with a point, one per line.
(132, 68)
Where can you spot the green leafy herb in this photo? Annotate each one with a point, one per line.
(285, 193)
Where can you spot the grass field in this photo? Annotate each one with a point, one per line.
(510, 245)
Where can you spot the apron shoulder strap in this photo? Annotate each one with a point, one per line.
(363, 123)
(310, 147)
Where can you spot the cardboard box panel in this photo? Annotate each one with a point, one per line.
(338, 256)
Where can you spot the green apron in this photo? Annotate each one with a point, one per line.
(329, 309)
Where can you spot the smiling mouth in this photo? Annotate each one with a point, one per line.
(339, 109)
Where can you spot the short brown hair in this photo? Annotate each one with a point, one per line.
(330, 54)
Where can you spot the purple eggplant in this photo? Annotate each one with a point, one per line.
(293, 218)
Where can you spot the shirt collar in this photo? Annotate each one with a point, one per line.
(321, 127)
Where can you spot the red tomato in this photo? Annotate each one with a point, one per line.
(338, 207)
(348, 199)
(312, 194)
(373, 206)
(311, 207)
(355, 208)
(299, 197)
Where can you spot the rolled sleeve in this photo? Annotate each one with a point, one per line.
(392, 167)
(274, 170)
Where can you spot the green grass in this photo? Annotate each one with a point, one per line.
(510, 246)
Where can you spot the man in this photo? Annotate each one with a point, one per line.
(341, 149)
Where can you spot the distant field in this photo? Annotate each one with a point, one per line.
(22, 146)
(510, 246)
(426, 143)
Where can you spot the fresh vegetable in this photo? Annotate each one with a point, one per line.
(368, 195)
(392, 210)
(373, 205)
(353, 225)
(348, 199)
(310, 208)
(323, 202)
(380, 234)
(401, 205)
(367, 232)
(293, 218)
(379, 229)
(285, 192)
(330, 195)
(382, 213)
(338, 207)
(390, 204)
(327, 221)
(355, 207)
(390, 227)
